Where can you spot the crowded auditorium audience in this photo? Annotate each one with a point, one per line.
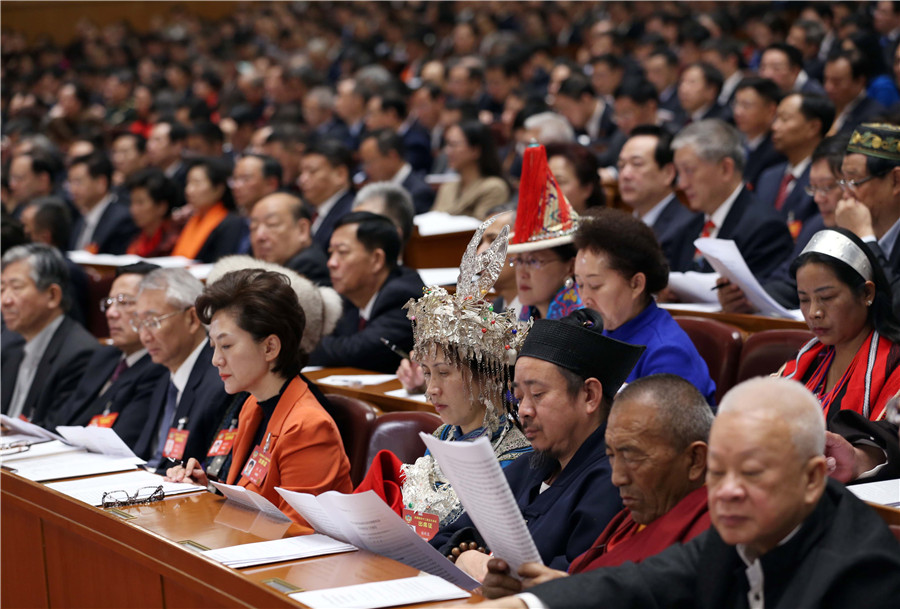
(321, 159)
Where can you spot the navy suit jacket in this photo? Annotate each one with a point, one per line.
(672, 229)
(417, 147)
(798, 205)
(114, 232)
(863, 112)
(58, 372)
(225, 239)
(203, 402)
(422, 194)
(312, 263)
(322, 236)
(759, 159)
(350, 346)
(758, 231)
(129, 395)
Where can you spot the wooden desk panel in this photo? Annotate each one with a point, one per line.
(436, 251)
(373, 394)
(749, 324)
(24, 581)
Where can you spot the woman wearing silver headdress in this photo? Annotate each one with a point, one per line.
(466, 351)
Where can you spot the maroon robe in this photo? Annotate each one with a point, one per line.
(686, 520)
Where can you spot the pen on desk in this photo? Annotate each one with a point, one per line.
(395, 348)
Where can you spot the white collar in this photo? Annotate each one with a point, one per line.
(755, 142)
(134, 357)
(652, 216)
(181, 376)
(697, 115)
(718, 216)
(402, 174)
(323, 209)
(38, 344)
(366, 311)
(729, 86)
(92, 218)
(798, 169)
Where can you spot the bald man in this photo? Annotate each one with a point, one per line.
(783, 536)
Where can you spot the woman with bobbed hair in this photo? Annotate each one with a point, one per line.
(152, 198)
(471, 152)
(618, 268)
(845, 298)
(577, 172)
(213, 229)
(284, 437)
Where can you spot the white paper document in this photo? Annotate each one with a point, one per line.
(403, 393)
(90, 490)
(86, 257)
(70, 465)
(392, 593)
(26, 428)
(365, 521)
(355, 380)
(442, 223)
(886, 492)
(40, 449)
(724, 256)
(250, 500)
(102, 440)
(694, 287)
(439, 276)
(478, 480)
(277, 550)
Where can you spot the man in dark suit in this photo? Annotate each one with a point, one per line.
(325, 182)
(381, 153)
(845, 85)
(709, 158)
(318, 111)
(187, 404)
(116, 390)
(42, 368)
(662, 69)
(389, 111)
(165, 149)
(364, 271)
(390, 201)
(784, 64)
(698, 93)
(802, 120)
(755, 103)
(280, 233)
(646, 180)
(105, 225)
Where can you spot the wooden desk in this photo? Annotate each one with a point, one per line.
(373, 394)
(59, 552)
(436, 251)
(749, 324)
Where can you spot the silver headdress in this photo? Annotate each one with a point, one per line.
(834, 244)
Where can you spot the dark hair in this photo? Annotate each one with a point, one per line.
(726, 48)
(479, 135)
(154, 180)
(44, 163)
(217, 171)
(613, 61)
(711, 75)
(794, 56)
(52, 214)
(586, 168)
(263, 303)
(881, 313)
(663, 154)
(859, 65)
(137, 268)
(814, 106)
(832, 149)
(638, 89)
(575, 86)
(375, 232)
(210, 132)
(98, 165)
(392, 101)
(629, 244)
(764, 87)
(666, 53)
(177, 131)
(271, 168)
(387, 140)
(336, 153)
(140, 142)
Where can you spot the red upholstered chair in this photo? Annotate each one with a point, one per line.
(719, 344)
(765, 352)
(398, 432)
(354, 419)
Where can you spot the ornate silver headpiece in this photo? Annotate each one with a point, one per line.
(834, 244)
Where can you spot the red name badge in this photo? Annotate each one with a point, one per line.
(423, 523)
(222, 445)
(257, 466)
(175, 443)
(22, 417)
(103, 420)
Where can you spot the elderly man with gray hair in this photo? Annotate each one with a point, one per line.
(391, 201)
(784, 535)
(44, 352)
(709, 157)
(188, 402)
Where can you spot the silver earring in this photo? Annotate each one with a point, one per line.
(569, 283)
(868, 303)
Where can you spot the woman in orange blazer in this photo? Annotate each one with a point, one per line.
(284, 436)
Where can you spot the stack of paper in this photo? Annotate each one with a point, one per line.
(278, 550)
(355, 380)
(406, 395)
(392, 593)
(70, 465)
(250, 500)
(90, 490)
(885, 492)
(40, 449)
(25, 428)
(102, 440)
(442, 223)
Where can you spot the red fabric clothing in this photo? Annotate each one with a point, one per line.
(872, 378)
(686, 520)
(160, 243)
(386, 479)
(307, 453)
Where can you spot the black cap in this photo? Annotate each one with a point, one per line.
(576, 343)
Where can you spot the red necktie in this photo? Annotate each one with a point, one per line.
(122, 367)
(708, 228)
(362, 323)
(783, 190)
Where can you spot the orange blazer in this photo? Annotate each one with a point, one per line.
(307, 453)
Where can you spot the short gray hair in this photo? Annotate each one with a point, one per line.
(552, 128)
(181, 288)
(791, 401)
(684, 414)
(713, 140)
(47, 266)
(398, 205)
(323, 96)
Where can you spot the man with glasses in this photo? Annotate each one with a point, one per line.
(44, 352)
(117, 388)
(187, 404)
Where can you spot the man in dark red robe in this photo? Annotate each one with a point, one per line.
(656, 440)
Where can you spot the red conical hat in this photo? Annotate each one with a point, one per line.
(544, 218)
